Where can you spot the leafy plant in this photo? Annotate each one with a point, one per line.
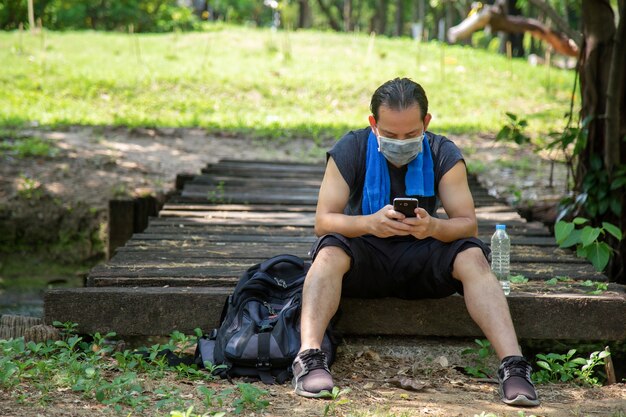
(557, 367)
(479, 369)
(336, 399)
(513, 130)
(28, 147)
(518, 279)
(250, 398)
(586, 239)
(30, 188)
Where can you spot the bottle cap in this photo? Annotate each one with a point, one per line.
(500, 226)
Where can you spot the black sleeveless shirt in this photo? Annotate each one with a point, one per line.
(349, 154)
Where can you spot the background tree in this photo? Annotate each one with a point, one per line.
(601, 168)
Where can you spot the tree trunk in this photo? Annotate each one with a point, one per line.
(379, 19)
(347, 15)
(598, 32)
(516, 39)
(305, 17)
(332, 20)
(399, 20)
(603, 91)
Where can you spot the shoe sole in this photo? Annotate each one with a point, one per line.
(520, 400)
(322, 394)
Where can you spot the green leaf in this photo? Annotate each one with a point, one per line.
(599, 254)
(618, 183)
(580, 220)
(552, 281)
(603, 206)
(562, 230)
(616, 206)
(579, 361)
(511, 116)
(100, 395)
(604, 354)
(581, 251)
(571, 240)
(589, 235)
(596, 162)
(613, 230)
(544, 365)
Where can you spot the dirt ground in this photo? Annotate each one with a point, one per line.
(374, 370)
(95, 164)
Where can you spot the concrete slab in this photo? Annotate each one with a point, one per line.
(159, 311)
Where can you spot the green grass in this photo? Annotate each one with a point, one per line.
(275, 84)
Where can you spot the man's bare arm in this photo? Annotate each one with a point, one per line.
(333, 198)
(459, 206)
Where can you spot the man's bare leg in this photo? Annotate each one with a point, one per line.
(321, 294)
(485, 301)
(487, 305)
(320, 300)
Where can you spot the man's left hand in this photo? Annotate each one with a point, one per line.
(422, 226)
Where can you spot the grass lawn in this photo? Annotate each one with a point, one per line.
(275, 84)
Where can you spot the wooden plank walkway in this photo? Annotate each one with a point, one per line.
(176, 274)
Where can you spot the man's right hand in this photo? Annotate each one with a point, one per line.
(384, 223)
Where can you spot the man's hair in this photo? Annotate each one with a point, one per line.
(399, 94)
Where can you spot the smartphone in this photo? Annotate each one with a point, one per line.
(405, 206)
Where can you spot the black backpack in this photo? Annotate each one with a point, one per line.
(259, 333)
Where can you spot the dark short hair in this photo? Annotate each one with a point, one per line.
(399, 94)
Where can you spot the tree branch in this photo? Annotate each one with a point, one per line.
(498, 21)
(560, 23)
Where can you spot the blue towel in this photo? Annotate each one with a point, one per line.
(419, 179)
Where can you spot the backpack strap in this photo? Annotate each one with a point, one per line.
(292, 259)
(263, 359)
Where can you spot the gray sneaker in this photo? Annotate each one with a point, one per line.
(516, 388)
(311, 376)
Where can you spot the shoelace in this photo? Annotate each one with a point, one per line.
(517, 367)
(314, 360)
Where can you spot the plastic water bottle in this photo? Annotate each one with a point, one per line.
(501, 257)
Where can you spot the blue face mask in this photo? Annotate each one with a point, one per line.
(400, 151)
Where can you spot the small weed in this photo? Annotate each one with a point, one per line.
(518, 279)
(30, 188)
(336, 400)
(552, 281)
(213, 399)
(480, 369)
(28, 147)
(218, 194)
(249, 398)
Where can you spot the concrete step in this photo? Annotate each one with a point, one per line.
(539, 312)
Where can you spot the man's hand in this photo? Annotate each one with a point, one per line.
(385, 223)
(421, 226)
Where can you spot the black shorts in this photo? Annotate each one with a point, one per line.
(400, 266)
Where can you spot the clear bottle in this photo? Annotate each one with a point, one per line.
(501, 257)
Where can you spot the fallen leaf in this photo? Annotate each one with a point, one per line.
(371, 355)
(408, 384)
(443, 361)
(369, 385)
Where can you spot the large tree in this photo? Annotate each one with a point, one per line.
(601, 165)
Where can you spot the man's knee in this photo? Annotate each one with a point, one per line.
(469, 262)
(332, 258)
